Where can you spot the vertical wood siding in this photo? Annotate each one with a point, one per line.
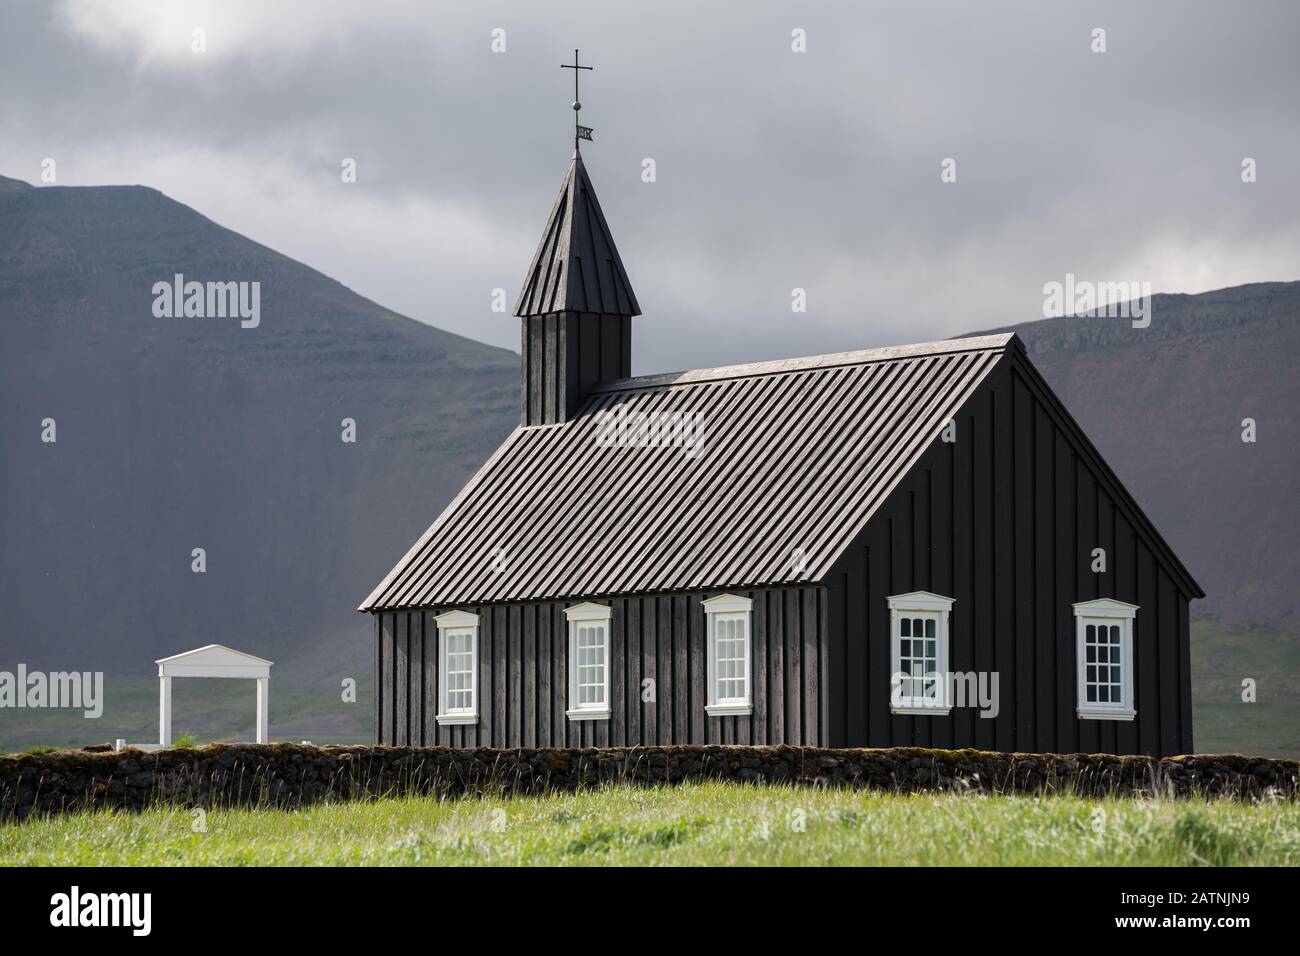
(564, 355)
(523, 677)
(1004, 520)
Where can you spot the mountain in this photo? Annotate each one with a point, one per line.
(181, 433)
(1165, 407)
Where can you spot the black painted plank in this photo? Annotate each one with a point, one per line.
(1067, 732)
(401, 680)
(836, 671)
(1126, 589)
(942, 729)
(1086, 584)
(1167, 602)
(545, 662)
(793, 677)
(380, 693)
(852, 690)
(901, 731)
(501, 677)
(560, 723)
(876, 686)
(632, 687)
(810, 677)
(688, 613)
(550, 390)
(668, 683)
(1106, 541)
(761, 693)
(984, 625)
(429, 682)
(528, 643)
(649, 669)
(515, 695)
(962, 645)
(618, 674)
(1004, 569)
(415, 679)
(1023, 587)
(1045, 639)
(1184, 636)
(537, 366)
(776, 667)
(823, 668)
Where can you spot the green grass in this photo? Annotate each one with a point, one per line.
(706, 824)
(1221, 721)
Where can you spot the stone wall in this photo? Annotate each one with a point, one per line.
(289, 775)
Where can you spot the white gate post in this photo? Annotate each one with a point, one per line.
(165, 711)
(263, 695)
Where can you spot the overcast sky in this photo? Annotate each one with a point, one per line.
(775, 169)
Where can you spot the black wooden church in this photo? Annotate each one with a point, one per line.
(897, 546)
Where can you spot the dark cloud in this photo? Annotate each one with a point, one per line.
(775, 170)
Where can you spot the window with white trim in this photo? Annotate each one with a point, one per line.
(589, 626)
(918, 653)
(1104, 652)
(457, 668)
(727, 623)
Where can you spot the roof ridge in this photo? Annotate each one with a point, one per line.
(806, 363)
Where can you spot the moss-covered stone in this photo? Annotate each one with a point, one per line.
(288, 775)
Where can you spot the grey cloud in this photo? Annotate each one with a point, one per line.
(775, 170)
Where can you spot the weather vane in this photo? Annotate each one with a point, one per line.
(579, 131)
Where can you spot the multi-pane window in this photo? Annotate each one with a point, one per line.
(732, 659)
(591, 664)
(919, 679)
(589, 661)
(730, 691)
(457, 668)
(1105, 659)
(918, 654)
(1101, 644)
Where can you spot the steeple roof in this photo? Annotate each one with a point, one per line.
(577, 267)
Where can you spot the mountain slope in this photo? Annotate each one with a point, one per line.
(183, 433)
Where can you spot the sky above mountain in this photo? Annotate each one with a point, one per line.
(775, 170)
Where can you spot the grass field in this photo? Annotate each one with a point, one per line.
(707, 824)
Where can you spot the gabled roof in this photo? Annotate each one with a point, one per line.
(795, 457)
(576, 266)
(213, 660)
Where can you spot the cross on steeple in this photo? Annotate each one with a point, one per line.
(579, 131)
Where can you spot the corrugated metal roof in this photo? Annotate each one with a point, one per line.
(794, 455)
(576, 266)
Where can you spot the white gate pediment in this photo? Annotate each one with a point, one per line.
(214, 660)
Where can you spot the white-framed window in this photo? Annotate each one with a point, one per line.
(730, 644)
(457, 668)
(1104, 651)
(918, 653)
(589, 626)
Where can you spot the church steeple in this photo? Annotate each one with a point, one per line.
(577, 267)
(577, 304)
